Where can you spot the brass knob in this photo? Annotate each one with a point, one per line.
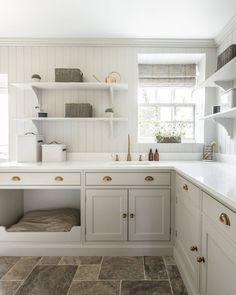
(124, 215)
(185, 187)
(15, 178)
(224, 218)
(193, 248)
(107, 178)
(59, 178)
(149, 178)
(131, 215)
(200, 259)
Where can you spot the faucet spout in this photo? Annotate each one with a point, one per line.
(129, 148)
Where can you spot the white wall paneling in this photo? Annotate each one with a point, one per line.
(20, 62)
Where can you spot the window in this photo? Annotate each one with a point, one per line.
(166, 104)
(3, 117)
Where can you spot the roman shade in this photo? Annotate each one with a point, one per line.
(171, 75)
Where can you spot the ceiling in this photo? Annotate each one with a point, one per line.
(185, 19)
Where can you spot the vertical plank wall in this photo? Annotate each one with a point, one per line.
(20, 62)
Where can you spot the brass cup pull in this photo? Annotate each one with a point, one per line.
(149, 178)
(185, 187)
(107, 178)
(124, 215)
(15, 178)
(193, 248)
(200, 259)
(224, 218)
(59, 178)
(131, 215)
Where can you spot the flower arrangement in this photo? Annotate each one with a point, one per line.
(171, 133)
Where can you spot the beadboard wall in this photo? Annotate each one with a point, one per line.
(226, 144)
(20, 62)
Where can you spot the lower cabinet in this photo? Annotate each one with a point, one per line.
(111, 212)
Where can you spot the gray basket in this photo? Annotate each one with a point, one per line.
(226, 56)
(78, 110)
(68, 75)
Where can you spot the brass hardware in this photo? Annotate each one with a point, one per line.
(200, 259)
(107, 178)
(124, 215)
(129, 146)
(149, 178)
(59, 178)
(113, 77)
(185, 187)
(193, 248)
(15, 178)
(131, 215)
(224, 218)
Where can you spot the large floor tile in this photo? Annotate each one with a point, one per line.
(91, 259)
(50, 260)
(178, 287)
(145, 288)
(9, 287)
(21, 269)
(87, 272)
(48, 280)
(169, 260)
(6, 262)
(77, 260)
(155, 268)
(122, 268)
(95, 288)
(173, 272)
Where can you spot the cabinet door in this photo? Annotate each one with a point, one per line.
(149, 214)
(106, 215)
(219, 269)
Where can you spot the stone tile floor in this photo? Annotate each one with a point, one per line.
(90, 275)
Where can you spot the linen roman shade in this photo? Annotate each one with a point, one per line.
(171, 75)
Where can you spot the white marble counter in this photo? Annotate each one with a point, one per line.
(218, 179)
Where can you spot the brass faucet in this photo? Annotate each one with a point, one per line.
(129, 154)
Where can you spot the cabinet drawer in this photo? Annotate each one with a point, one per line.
(109, 179)
(187, 192)
(220, 214)
(18, 179)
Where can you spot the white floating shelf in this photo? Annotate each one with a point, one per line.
(223, 78)
(49, 119)
(71, 86)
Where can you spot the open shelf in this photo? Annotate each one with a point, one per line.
(223, 78)
(74, 119)
(71, 86)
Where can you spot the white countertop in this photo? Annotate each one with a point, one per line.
(218, 179)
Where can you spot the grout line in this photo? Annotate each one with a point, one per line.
(168, 275)
(120, 287)
(100, 268)
(72, 280)
(144, 272)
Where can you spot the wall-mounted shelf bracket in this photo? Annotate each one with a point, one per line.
(225, 85)
(226, 123)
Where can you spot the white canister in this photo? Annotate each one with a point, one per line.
(29, 147)
(54, 152)
(228, 99)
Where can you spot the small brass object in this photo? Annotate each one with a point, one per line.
(124, 215)
(185, 187)
(131, 215)
(129, 148)
(113, 77)
(224, 218)
(193, 248)
(15, 178)
(107, 178)
(200, 259)
(59, 178)
(149, 178)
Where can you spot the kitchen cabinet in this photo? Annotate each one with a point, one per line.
(149, 214)
(108, 215)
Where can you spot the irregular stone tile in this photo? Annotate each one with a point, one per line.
(48, 280)
(9, 287)
(21, 269)
(91, 259)
(87, 272)
(122, 268)
(169, 260)
(6, 262)
(50, 260)
(95, 287)
(178, 287)
(70, 260)
(155, 268)
(173, 272)
(145, 288)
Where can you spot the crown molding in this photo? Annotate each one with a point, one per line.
(226, 31)
(109, 42)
